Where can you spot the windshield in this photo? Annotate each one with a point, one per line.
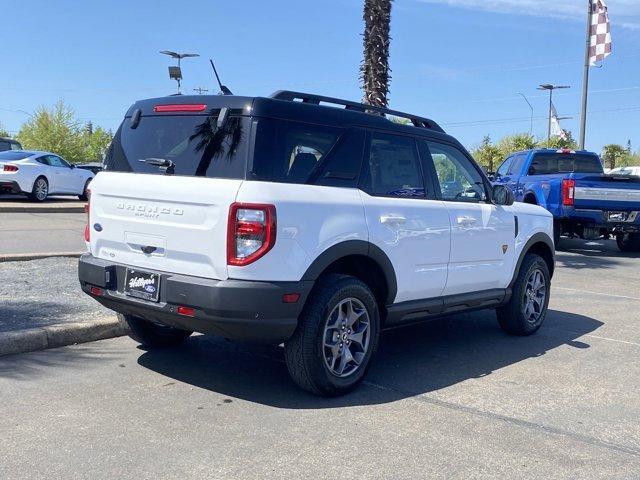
(194, 143)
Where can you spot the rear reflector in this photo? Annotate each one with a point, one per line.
(96, 291)
(180, 107)
(290, 297)
(10, 168)
(186, 311)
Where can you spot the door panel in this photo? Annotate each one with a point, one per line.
(403, 218)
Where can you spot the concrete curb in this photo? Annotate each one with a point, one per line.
(27, 208)
(32, 339)
(23, 257)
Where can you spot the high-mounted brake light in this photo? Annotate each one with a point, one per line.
(251, 232)
(180, 107)
(568, 192)
(10, 168)
(87, 209)
(565, 151)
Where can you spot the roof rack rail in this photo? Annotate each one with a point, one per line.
(416, 121)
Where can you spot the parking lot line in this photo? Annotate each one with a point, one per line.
(596, 293)
(593, 336)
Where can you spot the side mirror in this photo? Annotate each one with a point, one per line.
(502, 195)
(492, 176)
(72, 165)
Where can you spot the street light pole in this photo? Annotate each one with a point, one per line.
(531, 107)
(551, 88)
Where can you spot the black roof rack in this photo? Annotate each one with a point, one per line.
(416, 121)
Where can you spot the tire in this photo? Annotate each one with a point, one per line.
(40, 190)
(84, 197)
(154, 335)
(628, 242)
(312, 363)
(513, 317)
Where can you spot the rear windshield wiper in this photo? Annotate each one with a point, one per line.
(163, 164)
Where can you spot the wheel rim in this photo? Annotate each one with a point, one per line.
(41, 189)
(535, 294)
(346, 337)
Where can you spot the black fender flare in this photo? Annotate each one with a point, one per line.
(355, 247)
(536, 238)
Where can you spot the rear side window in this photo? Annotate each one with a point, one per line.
(342, 167)
(393, 167)
(194, 143)
(289, 152)
(552, 163)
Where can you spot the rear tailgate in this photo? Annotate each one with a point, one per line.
(603, 192)
(182, 220)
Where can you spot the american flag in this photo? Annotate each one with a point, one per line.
(600, 46)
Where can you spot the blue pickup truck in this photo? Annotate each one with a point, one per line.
(572, 185)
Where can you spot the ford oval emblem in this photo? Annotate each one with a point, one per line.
(97, 227)
(150, 288)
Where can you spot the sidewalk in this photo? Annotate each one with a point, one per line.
(42, 306)
(21, 204)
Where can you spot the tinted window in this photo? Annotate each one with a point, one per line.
(288, 151)
(43, 160)
(15, 146)
(517, 164)
(56, 161)
(4, 146)
(504, 168)
(393, 168)
(342, 167)
(552, 163)
(194, 143)
(13, 155)
(458, 178)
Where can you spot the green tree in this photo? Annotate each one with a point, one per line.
(374, 70)
(614, 155)
(557, 142)
(487, 154)
(516, 143)
(3, 132)
(54, 130)
(97, 141)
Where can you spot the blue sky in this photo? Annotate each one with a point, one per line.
(460, 62)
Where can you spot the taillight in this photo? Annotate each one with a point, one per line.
(87, 209)
(251, 232)
(10, 168)
(568, 192)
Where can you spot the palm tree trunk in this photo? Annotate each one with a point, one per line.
(374, 70)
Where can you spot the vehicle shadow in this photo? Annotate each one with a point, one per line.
(410, 361)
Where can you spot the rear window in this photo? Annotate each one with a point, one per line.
(551, 163)
(194, 143)
(14, 155)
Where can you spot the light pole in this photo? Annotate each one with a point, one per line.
(551, 88)
(531, 107)
(175, 72)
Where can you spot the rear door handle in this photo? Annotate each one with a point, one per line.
(392, 220)
(465, 220)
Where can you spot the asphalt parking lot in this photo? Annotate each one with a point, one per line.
(452, 398)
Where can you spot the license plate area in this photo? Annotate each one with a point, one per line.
(613, 216)
(141, 284)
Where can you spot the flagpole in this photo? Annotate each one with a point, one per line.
(585, 78)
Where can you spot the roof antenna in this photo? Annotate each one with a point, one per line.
(223, 90)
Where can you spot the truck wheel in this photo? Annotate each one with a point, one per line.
(337, 334)
(557, 231)
(628, 242)
(40, 190)
(154, 335)
(84, 196)
(527, 308)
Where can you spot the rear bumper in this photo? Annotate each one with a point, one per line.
(236, 309)
(9, 186)
(600, 219)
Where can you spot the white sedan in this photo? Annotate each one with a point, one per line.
(40, 174)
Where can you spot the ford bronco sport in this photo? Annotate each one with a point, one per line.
(305, 220)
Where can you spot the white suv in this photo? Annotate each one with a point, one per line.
(286, 219)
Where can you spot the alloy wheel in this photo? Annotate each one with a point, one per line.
(535, 294)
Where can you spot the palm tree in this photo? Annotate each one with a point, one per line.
(374, 70)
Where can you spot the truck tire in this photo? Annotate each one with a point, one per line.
(337, 335)
(154, 335)
(557, 231)
(628, 242)
(526, 310)
(84, 196)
